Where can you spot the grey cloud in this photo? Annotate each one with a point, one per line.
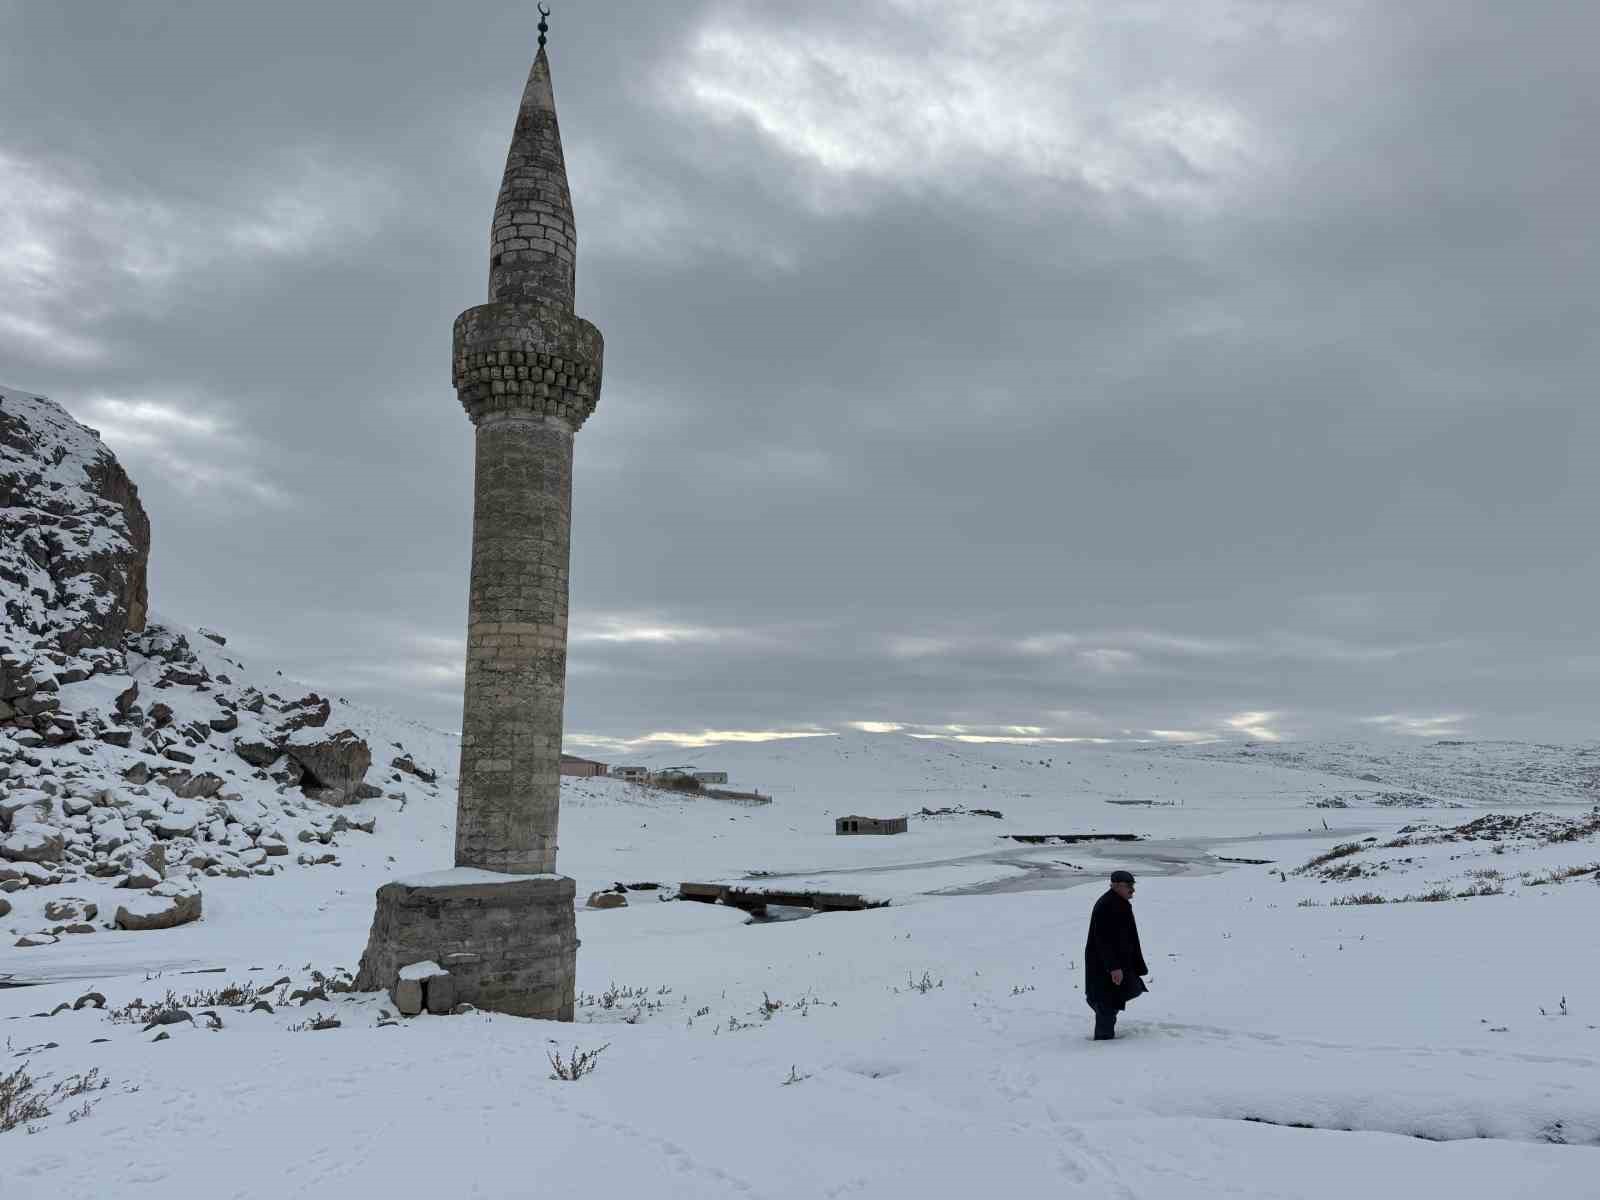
(1248, 344)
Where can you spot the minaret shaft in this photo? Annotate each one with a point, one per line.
(516, 647)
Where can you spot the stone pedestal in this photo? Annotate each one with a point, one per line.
(509, 942)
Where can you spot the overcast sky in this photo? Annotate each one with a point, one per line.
(1110, 368)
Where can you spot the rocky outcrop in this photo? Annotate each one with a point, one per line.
(74, 539)
(156, 773)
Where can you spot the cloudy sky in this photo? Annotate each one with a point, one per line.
(1111, 368)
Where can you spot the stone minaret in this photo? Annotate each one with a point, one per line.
(528, 373)
(527, 370)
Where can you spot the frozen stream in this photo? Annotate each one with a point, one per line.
(1047, 868)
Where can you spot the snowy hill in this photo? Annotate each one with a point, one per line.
(1443, 771)
(139, 760)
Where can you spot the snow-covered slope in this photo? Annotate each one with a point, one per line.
(140, 761)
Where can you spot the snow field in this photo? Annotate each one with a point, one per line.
(934, 1048)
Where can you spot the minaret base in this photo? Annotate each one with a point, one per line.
(508, 942)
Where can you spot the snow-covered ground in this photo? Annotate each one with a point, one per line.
(937, 1047)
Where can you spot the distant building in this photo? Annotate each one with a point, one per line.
(571, 764)
(636, 774)
(854, 824)
(711, 776)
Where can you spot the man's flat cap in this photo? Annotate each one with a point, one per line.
(1122, 877)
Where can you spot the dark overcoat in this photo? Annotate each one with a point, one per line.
(1113, 945)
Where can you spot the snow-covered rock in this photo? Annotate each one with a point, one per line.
(180, 818)
(32, 843)
(163, 907)
(74, 543)
(334, 767)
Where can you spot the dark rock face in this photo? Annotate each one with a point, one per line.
(334, 768)
(74, 539)
(256, 753)
(309, 712)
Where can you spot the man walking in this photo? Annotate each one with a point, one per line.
(1112, 962)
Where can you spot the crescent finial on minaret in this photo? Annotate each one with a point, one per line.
(543, 27)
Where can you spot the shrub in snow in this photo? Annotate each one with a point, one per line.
(577, 1064)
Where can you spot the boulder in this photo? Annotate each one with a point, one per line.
(32, 872)
(256, 752)
(14, 806)
(36, 939)
(36, 705)
(338, 764)
(408, 765)
(155, 857)
(126, 699)
(309, 712)
(16, 677)
(76, 806)
(139, 878)
(33, 843)
(165, 907)
(226, 723)
(181, 819)
(188, 674)
(5, 906)
(191, 787)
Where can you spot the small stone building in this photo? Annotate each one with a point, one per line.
(636, 774)
(571, 764)
(854, 824)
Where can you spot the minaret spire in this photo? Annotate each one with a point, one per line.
(533, 245)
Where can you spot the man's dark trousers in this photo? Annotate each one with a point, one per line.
(1105, 1023)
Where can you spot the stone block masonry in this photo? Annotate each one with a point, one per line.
(516, 648)
(510, 946)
